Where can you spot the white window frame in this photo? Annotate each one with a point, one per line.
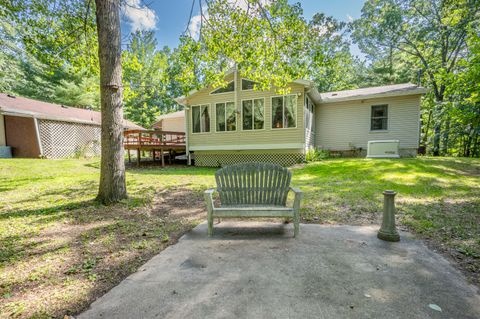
(236, 121)
(234, 88)
(253, 115)
(388, 119)
(209, 112)
(283, 112)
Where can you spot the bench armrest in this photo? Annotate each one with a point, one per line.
(296, 190)
(298, 197)
(208, 195)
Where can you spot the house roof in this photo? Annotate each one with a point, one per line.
(347, 95)
(20, 106)
(370, 92)
(171, 115)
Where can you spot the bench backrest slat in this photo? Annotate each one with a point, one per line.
(253, 184)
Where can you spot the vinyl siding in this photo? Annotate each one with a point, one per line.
(341, 125)
(175, 124)
(267, 138)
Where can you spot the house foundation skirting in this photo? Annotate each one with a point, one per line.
(403, 152)
(65, 139)
(218, 159)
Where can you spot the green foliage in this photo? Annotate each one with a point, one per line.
(149, 90)
(48, 51)
(315, 155)
(270, 43)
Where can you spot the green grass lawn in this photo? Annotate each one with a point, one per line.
(59, 249)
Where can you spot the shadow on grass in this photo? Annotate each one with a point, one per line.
(8, 184)
(49, 210)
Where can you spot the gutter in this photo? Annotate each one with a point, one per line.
(43, 117)
(39, 116)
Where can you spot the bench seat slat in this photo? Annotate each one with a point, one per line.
(268, 211)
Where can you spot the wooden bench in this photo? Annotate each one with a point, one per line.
(253, 190)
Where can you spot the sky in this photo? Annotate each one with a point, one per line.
(170, 18)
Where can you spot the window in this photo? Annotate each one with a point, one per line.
(253, 114)
(247, 84)
(284, 111)
(229, 88)
(379, 118)
(200, 118)
(226, 116)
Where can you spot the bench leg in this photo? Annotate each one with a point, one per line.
(210, 223)
(296, 224)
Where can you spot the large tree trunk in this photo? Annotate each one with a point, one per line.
(446, 136)
(112, 171)
(438, 125)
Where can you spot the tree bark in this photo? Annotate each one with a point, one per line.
(446, 135)
(112, 170)
(438, 125)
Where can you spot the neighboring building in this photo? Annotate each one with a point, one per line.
(38, 129)
(173, 122)
(237, 123)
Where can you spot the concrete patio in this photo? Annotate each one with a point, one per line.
(257, 270)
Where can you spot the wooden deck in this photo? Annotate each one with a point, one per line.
(155, 141)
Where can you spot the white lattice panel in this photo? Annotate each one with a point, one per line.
(217, 160)
(66, 139)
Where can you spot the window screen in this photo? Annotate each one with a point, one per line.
(284, 111)
(226, 116)
(253, 114)
(247, 84)
(200, 119)
(379, 118)
(229, 88)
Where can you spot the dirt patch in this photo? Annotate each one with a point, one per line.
(65, 266)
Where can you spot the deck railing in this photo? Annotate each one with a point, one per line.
(153, 138)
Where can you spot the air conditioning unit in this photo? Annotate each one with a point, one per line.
(383, 149)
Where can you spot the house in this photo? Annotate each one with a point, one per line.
(236, 123)
(38, 129)
(173, 122)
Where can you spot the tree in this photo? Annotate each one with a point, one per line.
(269, 42)
(432, 33)
(112, 186)
(266, 41)
(45, 51)
(146, 79)
(331, 66)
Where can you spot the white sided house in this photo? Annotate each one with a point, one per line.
(238, 124)
(171, 122)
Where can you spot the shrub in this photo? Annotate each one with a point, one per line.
(315, 155)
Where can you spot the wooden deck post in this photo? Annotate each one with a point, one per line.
(129, 156)
(163, 158)
(138, 156)
(170, 156)
(153, 155)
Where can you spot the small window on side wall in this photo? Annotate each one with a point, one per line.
(379, 118)
(229, 88)
(200, 119)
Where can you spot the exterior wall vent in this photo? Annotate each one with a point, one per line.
(383, 149)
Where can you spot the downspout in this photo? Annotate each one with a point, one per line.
(187, 151)
(37, 133)
(235, 88)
